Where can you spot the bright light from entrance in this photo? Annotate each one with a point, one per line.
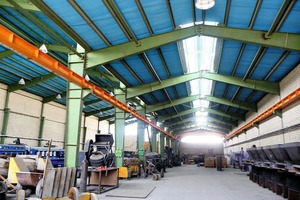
(203, 139)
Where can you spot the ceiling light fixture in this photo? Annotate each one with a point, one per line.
(58, 96)
(86, 77)
(111, 94)
(21, 81)
(204, 4)
(43, 48)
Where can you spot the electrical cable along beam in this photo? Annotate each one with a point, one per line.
(13, 41)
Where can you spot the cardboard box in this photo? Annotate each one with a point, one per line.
(209, 162)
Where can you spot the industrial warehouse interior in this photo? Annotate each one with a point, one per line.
(159, 99)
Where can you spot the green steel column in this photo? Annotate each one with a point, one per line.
(154, 140)
(74, 111)
(141, 134)
(119, 128)
(173, 145)
(41, 128)
(162, 145)
(5, 118)
(168, 141)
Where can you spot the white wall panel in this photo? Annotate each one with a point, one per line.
(252, 133)
(291, 115)
(293, 136)
(278, 139)
(54, 130)
(1, 118)
(268, 101)
(2, 99)
(272, 124)
(130, 143)
(24, 104)
(55, 112)
(290, 83)
(104, 126)
(23, 126)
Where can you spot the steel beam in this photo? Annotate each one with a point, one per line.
(264, 86)
(6, 53)
(237, 104)
(87, 114)
(190, 119)
(87, 103)
(53, 97)
(208, 124)
(209, 110)
(34, 81)
(167, 104)
(187, 131)
(106, 117)
(287, 41)
(25, 4)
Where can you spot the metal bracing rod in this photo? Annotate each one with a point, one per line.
(283, 11)
(171, 13)
(255, 13)
(292, 97)
(117, 15)
(141, 9)
(13, 41)
(226, 15)
(281, 59)
(89, 21)
(257, 58)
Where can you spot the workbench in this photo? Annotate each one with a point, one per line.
(106, 178)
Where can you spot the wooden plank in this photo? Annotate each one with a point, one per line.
(73, 177)
(56, 182)
(48, 183)
(67, 183)
(62, 182)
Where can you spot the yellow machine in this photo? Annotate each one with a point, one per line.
(131, 168)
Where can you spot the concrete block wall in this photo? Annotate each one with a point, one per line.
(290, 117)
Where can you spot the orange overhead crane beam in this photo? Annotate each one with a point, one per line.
(279, 105)
(16, 43)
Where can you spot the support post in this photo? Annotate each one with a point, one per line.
(5, 118)
(162, 145)
(74, 111)
(141, 134)
(41, 128)
(119, 128)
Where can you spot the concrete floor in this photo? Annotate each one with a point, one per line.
(193, 183)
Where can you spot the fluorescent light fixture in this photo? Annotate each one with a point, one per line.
(86, 77)
(43, 48)
(21, 81)
(58, 96)
(204, 4)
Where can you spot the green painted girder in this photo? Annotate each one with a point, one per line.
(53, 97)
(264, 86)
(6, 53)
(237, 104)
(225, 114)
(167, 104)
(87, 114)
(201, 128)
(100, 74)
(209, 110)
(287, 41)
(25, 4)
(87, 103)
(34, 81)
(210, 124)
(193, 119)
(58, 48)
(106, 117)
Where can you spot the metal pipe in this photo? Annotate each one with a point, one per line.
(18, 44)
